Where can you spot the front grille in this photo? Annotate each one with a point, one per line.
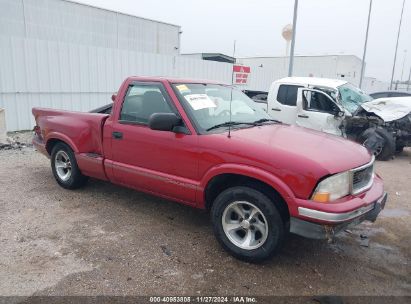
(362, 177)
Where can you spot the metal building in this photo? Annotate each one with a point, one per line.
(61, 54)
(71, 22)
(265, 70)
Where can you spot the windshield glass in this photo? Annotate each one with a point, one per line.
(209, 105)
(351, 97)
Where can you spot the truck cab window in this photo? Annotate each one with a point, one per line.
(287, 94)
(141, 101)
(211, 105)
(319, 102)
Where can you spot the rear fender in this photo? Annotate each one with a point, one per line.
(63, 138)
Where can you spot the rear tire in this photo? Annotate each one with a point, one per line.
(65, 168)
(247, 224)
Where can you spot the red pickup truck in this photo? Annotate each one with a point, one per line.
(207, 145)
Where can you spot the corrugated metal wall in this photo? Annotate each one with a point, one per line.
(77, 77)
(65, 21)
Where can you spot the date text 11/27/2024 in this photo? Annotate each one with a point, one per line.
(203, 299)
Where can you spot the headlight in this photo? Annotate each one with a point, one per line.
(332, 188)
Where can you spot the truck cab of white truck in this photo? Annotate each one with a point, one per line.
(315, 103)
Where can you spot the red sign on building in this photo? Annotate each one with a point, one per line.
(241, 74)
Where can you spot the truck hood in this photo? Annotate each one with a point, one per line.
(304, 149)
(389, 109)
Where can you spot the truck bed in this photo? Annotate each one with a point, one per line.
(84, 130)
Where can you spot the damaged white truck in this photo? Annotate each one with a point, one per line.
(337, 107)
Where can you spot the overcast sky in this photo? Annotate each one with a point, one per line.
(323, 27)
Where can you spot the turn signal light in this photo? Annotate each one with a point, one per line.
(321, 197)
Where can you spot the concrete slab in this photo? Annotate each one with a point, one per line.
(3, 134)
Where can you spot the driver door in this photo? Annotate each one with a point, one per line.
(162, 162)
(316, 110)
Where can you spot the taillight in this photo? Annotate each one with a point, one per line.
(37, 130)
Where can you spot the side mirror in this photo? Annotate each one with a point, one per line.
(339, 113)
(163, 121)
(113, 97)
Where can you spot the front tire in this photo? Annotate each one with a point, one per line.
(65, 168)
(382, 143)
(388, 150)
(247, 224)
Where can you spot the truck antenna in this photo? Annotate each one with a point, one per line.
(231, 93)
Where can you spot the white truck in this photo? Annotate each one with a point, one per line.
(334, 106)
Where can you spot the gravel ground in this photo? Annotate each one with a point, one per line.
(108, 240)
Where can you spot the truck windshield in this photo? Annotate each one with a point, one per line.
(351, 97)
(209, 106)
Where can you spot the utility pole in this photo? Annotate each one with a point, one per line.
(290, 66)
(396, 46)
(365, 45)
(409, 80)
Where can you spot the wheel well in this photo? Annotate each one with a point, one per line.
(51, 143)
(222, 182)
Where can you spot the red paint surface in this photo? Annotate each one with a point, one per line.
(177, 166)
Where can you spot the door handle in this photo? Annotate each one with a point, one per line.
(276, 109)
(303, 116)
(117, 135)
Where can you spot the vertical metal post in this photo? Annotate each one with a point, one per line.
(365, 45)
(409, 80)
(231, 92)
(290, 65)
(396, 46)
(403, 64)
(234, 61)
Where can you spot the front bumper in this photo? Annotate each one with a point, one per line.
(335, 221)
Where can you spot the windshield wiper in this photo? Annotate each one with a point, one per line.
(235, 123)
(262, 120)
(230, 124)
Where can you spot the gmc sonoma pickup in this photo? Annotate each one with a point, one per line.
(176, 139)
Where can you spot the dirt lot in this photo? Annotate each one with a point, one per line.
(105, 239)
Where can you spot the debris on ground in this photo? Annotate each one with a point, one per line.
(16, 141)
(365, 241)
(13, 145)
(317, 272)
(166, 250)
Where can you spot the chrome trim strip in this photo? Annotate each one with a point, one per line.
(366, 165)
(366, 187)
(334, 217)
